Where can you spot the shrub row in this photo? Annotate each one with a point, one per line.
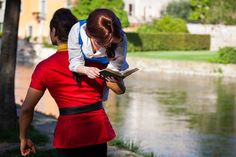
(227, 55)
(167, 41)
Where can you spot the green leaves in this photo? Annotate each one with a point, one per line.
(213, 11)
(84, 7)
(200, 10)
(165, 24)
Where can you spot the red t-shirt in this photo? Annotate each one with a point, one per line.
(73, 131)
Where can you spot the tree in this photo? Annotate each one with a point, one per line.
(84, 7)
(180, 9)
(200, 10)
(8, 117)
(213, 11)
(165, 24)
(222, 12)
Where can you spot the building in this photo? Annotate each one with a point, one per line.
(36, 15)
(2, 11)
(141, 11)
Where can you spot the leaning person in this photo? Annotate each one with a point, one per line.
(83, 128)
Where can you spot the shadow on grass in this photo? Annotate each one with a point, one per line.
(12, 136)
(41, 153)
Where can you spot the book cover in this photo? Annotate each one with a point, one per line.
(111, 73)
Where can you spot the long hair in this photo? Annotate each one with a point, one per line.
(62, 21)
(105, 27)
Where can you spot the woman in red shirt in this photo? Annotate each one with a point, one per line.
(83, 128)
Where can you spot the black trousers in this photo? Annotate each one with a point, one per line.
(99, 150)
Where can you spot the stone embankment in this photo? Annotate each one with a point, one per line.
(183, 67)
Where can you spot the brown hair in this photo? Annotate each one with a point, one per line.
(62, 21)
(105, 27)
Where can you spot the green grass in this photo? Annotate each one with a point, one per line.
(131, 146)
(201, 56)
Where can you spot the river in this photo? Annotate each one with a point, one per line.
(168, 114)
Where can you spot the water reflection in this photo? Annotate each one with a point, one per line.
(175, 115)
(171, 115)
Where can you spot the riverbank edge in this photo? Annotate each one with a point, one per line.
(163, 66)
(183, 67)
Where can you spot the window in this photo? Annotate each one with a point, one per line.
(30, 31)
(131, 9)
(42, 9)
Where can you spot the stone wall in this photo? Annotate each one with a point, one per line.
(221, 35)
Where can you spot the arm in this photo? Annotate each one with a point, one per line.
(26, 115)
(116, 86)
(76, 58)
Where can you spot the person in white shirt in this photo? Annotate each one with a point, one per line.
(101, 39)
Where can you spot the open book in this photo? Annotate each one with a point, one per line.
(117, 74)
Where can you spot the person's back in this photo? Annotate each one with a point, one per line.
(54, 74)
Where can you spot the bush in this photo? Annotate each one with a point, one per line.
(0, 34)
(227, 55)
(167, 41)
(165, 24)
(179, 9)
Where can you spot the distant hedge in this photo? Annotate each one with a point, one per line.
(227, 55)
(167, 41)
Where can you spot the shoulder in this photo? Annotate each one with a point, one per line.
(44, 64)
(79, 24)
(75, 27)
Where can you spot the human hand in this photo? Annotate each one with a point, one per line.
(27, 147)
(112, 79)
(92, 72)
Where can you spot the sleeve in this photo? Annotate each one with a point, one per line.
(37, 78)
(120, 63)
(75, 56)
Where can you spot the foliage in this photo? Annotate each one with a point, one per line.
(0, 34)
(200, 10)
(179, 9)
(130, 145)
(84, 7)
(227, 55)
(165, 24)
(167, 41)
(213, 11)
(222, 12)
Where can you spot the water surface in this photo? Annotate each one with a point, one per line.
(168, 114)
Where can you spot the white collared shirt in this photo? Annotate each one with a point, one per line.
(76, 57)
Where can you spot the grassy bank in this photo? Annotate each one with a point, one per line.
(203, 56)
(131, 146)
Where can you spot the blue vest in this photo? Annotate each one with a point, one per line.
(102, 60)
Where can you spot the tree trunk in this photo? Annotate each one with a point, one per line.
(8, 117)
